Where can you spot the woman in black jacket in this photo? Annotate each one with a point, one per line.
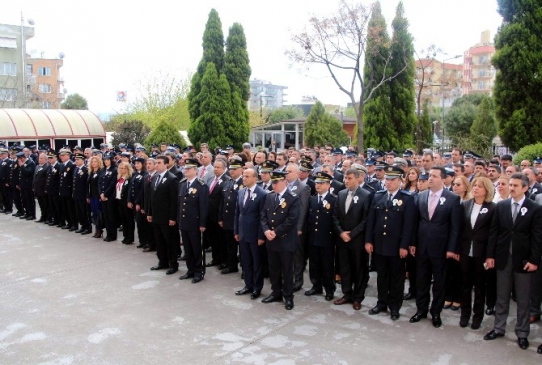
(95, 170)
(136, 200)
(478, 213)
(122, 196)
(108, 181)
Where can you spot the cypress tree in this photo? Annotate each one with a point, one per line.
(402, 87)
(518, 84)
(236, 62)
(379, 130)
(321, 128)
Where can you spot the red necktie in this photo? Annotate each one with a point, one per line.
(213, 185)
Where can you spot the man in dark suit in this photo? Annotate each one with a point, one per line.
(80, 188)
(14, 184)
(26, 177)
(66, 189)
(322, 238)
(439, 226)
(38, 185)
(52, 187)
(163, 215)
(390, 228)
(150, 245)
(534, 187)
(335, 186)
(193, 218)
(248, 232)
(350, 218)
(5, 168)
(514, 249)
(279, 224)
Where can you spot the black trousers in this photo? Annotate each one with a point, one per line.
(231, 250)
(164, 236)
(142, 228)
(491, 287)
(54, 208)
(473, 274)
(299, 261)
(17, 201)
(7, 199)
(321, 270)
(411, 268)
(354, 271)
(43, 203)
(126, 219)
(68, 211)
(192, 252)
(81, 212)
(214, 235)
(251, 262)
(109, 214)
(427, 268)
(29, 202)
(281, 275)
(453, 281)
(390, 281)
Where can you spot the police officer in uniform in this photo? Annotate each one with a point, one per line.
(38, 185)
(279, 224)
(26, 177)
(66, 190)
(52, 187)
(135, 200)
(14, 184)
(192, 217)
(226, 215)
(389, 233)
(80, 188)
(5, 168)
(322, 238)
(265, 175)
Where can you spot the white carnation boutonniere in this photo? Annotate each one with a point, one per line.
(219, 181)
(164, 180)
(235, 186)
(523, 211)
(294, 188)
(394, 202)
(356, 199)
(483, 211)
(442, 200)
(253, 197)
(324, 203)
(331, 190)
(534, 190)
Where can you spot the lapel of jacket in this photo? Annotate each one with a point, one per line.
(356, 194)
(520, 215)
(422, 203)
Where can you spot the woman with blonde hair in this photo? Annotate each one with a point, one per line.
(122, 198)
(503, 189)
(477, 214)
(95, 170)
(462, 187)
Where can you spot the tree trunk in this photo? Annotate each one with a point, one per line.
(359, 116)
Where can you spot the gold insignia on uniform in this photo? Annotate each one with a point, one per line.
(194, 190)
(390, 168)
(283, 205)
(399, 202)
(328, 206)
(241, 186)
(68, 169)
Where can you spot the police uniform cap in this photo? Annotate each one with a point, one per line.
(3, 150)
(77, 148)
(359, 167)
(322, 177)
(32, 147)
(393, 172)
(64, 151)
(538, 159)
(229, 147)
(20, 154)
(449, 171)
(305, 166)
(306, 158)
(140, 148)
(79, 155)
(337, 151)
(236, 163)
(51, 153)
(407, 153)
(278, 175)
(109, 155)
(400, 161)
(468, 154)
(103, 145)
(392, 152)
(223, 153)
(125, 154)
(268, 166)
(423, 176)
(370, 162)
(381, 165)
(191, 162)
(139, 159)
(350, 154)
(447, 155)
(122, 145)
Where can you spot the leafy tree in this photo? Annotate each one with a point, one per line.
(379, 131)
(426, 128)
(337, 42)
(165, 131)
(74, 101)
(529, 152)
(254, 119)
(215, 116)
(402, 88)
(321, 128)
(484, 127)
(518, 84)
(236, 62)
(458, 120)
(129, 132)
(213, 52)
(283, 113)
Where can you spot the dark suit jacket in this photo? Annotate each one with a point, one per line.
(40, 179)
(215, 196)
(147, 191)
(108, 181)
(163, 204)
(53, 179)
(136, 189)
(534, 191)
(391, 226)
(177, 172)
(440, 234)
(304, 193)
(226, 213)
(268, 189)
(525, 235)
(5, 168)
(335, 187)
(355, 220)
(476, 236)
(320, 228)
(282, 219)
(80, 183)
(248, 216)
(193, 205)
(26, 174)
(125, 192)
(66, 178)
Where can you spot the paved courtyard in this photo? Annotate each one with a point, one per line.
(72, 299)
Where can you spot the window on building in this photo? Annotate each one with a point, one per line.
(46, 105)
(8, 94)
(45, 71)
(8, 68)
(45, 88)
(28, 70)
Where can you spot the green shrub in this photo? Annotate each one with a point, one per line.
(529, 152)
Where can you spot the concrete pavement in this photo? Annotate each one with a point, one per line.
(72, 299)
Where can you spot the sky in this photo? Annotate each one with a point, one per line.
(112, 46)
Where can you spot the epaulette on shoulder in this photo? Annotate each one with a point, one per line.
(200, 181)
(406, 192)
(381, 191)
(183, 180)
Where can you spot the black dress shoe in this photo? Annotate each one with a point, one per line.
(229, 271)
(409, 296)
(1, 210)
(80, 230)
(222, 266)
(86, 231)
(30, 218)
(491, 335)
(72, 229)
(18, 214)
(475, 325)
(447, 306)
(463, 323)
(394, 316)
(328, 297)
(197, 279)
(24, 216)
(188, 275)
(490, 311)
(377, 309)
(172, 270)
(523, 343)
(289, 304)
(255, 295)
(243, 291)
(297, 288)
(148, 249)
(539, 349)
(158, 267)
(128, 242)
(212, 263)
(109, 239)
(8, 211)
(271, 299)
(41, 220)
(313, 291)
(141, 245)
(52, 224)
(437, 322)
(417, 317)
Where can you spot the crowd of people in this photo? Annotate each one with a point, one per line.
(465, 232)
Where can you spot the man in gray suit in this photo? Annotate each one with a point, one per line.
(304, 192)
